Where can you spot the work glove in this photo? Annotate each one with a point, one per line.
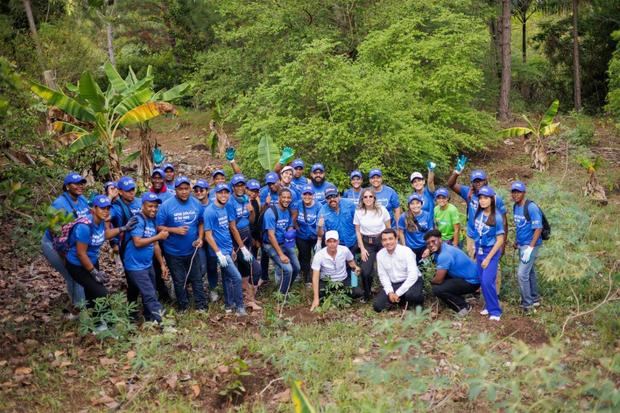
(287, 154)
(133, 221)
(318, 246)
(461, 161)
(230, 154)
(221, 259)
(99, 276)
(526, 255)
(431, 165)
(247, 255)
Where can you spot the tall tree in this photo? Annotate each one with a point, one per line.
(523, 10)
(576, 64)
(504, 94)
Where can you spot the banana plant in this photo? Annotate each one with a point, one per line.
(98, 116)
(593, 188)
(535, 136)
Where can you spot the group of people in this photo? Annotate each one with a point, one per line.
(305, 227)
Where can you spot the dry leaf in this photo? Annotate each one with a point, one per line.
(58, 353)
(195, 390)
(131, 355)
(223, 369)
(65, 363)
(3, 363)
(23, 371)
(105, 399)
(71, 373)
(282, 397)
(106, 361)
(171, 381)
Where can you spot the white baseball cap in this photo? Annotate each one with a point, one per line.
(332, 235)
(415, 175)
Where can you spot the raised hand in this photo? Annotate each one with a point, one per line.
(461, 161)
(287, 154)
(431, 165)
(230, 154)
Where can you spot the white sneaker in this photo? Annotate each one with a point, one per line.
(228, 310)
(484, 312)
(213, 296)
(494, 318)
(241, 312)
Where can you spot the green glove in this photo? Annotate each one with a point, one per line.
(230, 154)
(287, 154)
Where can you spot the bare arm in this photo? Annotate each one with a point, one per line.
(401, 236)
(211, 241)
(397, 212)
(537, 234)
(235, 167)
(452, 183)
(82, 254)
(234, 231)
(271, 234)
(499, 242)
(140, 242)
(457, 233)
(430, 180)
(440, 276)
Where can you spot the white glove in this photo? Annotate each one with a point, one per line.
(526, 255)
(221, 259)
(318, 246)
(247, 255)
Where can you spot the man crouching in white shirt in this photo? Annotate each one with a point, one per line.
(399, 275)
(330, 264)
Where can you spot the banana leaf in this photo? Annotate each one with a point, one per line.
(140, 114)
(514, 132)
(173, 94)
(133, 101)
(549, 129)
(63, 102)
(300, 400)
(83, 140)
(90, 91)
(131, 157)
(549, 114)
(117, 82)
(267, 153)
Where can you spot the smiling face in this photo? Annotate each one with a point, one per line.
(389, 242)
(332, 245)
(356, 182)
(252, 193)
(200, 193)
(101, 213)
(418, 184)
(368, 198)
(157, 181)
(479, 183)
(442, 201)
(219, 179)
(286, 177)
(285, 199)
(376, 181)
(76, 190)
(332, 201)
(415, 206)
(222, 197)
(484, 201)
(149, 209)
(169, 175)
(182, 192)
(308, 198)
(239, 189)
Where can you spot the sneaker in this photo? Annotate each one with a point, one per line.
(464, 311)
(241, 312)
(213, 296)
(529, 310)
(494, 318)
(536, 304)
(228, 310)
(202, 310)
(484, 312)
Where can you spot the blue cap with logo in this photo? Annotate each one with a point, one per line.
(307, 189)
(74, 178)
(158, 171)
(102, 201)
(442, 192)
(317, 167)
(331, 191)
(253, 185)
(221, 187)
(375, 172)
(416, 197)
(355, 173)
(201, 183)
(181, 180)
(150, 197)
(109, 184)
(237, 179)
(486, 191)
(517, 186)
(297, 163)
(478, 174)
(218, 172)
(289, 238)
(271, 178)
(126, 183)
(168, 166)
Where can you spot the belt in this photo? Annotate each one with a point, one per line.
(371, 239)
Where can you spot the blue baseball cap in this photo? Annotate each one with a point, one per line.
(74, 178)
(201, 183)
(150, 197)
(126, 183)
(102, 201)
(417, 197)
(271, 178)
(181, 180)
(158, 171)
(168, 166)
(375, 172)
(317, 167)
(218, 172)
(356, 173)
(442, 192)
(253, 185)
(221, 187)
(518, 186)
(331, 190)
(486, 191)
(109, 184)
(307, 189)
(478, 174)
(297, 163)
(289, 238)
(237, 179)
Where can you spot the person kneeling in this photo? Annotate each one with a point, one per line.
(399, 274)
(330, 264)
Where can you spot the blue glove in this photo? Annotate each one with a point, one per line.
(230, 154)
(461, 161)
(431, 165)
(287, 154)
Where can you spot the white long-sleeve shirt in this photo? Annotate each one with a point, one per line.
(399, 266)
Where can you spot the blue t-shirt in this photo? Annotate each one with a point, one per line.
(429, 202)
(264, 192)
(486, 235)
(306, 220)
(170, 187)
(319, 191)
(242, 215)
(119, 215)
(79, 208)
(92, 235)
(525, 229)
(473, 206)
(341, 221)
(137, 259)
(352, 195)
(285, 221)
(457, 263)
(415, 239)
(164, 195)
(389, 199)
(175, 213)
(217, 220)
(299, 183)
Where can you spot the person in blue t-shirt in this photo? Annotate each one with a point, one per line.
(181, 217)
(158, 187)
(276, 222)
(455, 275)
(218, 219)
(305, 224)
(286, 181)
(319, 184)
(489, 239)
(269, 193)
(412, 226)
(528, 240)
(142, 246)
(299, 179)
(337, 214)
(217, 177)
(425, 189)
(354, 192)
(168, 169)
(110, 190)
(208, 266)
(71, 201)
(386, 195)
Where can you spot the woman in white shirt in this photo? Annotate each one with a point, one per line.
(370, 219)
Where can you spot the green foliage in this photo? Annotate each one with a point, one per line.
(113, 311)
(234, 386)
(337, 296)
(582, 134)
(613, 73)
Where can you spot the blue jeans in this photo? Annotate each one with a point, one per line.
(231, 278)
(289, 271)
(74, 289)
(526, 274)
(144, 280)
(179, 266)
(208, 266)
(487, 280)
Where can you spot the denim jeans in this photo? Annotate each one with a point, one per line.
(488, 277)
(526, 274)
(74, 289)
(231, 278)
(208, 266)
(179, 267)
(144, 280)
(289, 271)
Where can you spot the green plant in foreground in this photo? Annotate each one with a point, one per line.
(234, 386)
(113, 311)
(337, 296)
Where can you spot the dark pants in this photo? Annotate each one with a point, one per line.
(144, 280)
(372, 245)
(208, 266)
(304, 249)
(160, 284)
(179, 266)
(247, 269)
(264, 264)
(133, 292)
(356, 292)
(92, 288)
(451, 292)
(414, 296)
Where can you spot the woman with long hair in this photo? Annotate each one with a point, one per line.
(413, 224)
(370, 219)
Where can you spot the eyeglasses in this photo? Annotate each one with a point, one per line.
(331, 197)
(368, 196)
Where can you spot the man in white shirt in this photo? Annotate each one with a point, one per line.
(399, 275)
(330, 264)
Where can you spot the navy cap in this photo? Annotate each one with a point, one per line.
(126, 183)
(271, 178)
(356, 173)
(442, 192)
(201, 183)
(317, 167)
(307, 189)
(218, 172)
(221, 187)
(331, 190)
(416, 197)
(158, 171)
(486, 191)
(237, 179)
(375, 172)
(298, 163)
(102, 201)
(109, 184)
(253, 185)
(150, 197)
(478, 174)
(168, 166)
(74, 178)
(181, 180)
(518, 186)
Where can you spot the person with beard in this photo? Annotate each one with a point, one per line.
(319, 184)
(386, 195)
(158, 187)
(169, 178)
(337, 215)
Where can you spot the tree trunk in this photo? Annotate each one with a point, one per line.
(33, 32)
(504, 95)
(146, 148)
(524, 39)
(576, 64)
(116, 171)
(110, 45)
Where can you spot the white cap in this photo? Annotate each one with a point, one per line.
(416, 175)
(332, 235)
(286, 168)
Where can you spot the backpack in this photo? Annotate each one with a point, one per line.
(127, 238)
(60, 242)
(261, 218)
(546, 229)
(125, 218)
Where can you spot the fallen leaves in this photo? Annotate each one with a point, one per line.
(22, 371)
(105, 361)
